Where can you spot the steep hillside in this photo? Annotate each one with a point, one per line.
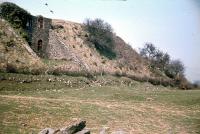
(129, 58)
(15, 53)
(68, 51)
(65, 47)
(76, 47)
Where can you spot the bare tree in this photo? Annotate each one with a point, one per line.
(149, 51)
(157, 58)
(160, 60)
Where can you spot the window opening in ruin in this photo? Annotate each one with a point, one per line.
(39, 47)
(40, 22)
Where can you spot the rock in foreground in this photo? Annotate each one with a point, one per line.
(76, 128)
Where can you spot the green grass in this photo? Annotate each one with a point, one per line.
(118, 104)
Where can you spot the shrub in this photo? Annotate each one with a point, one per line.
(182, 82)
(118, 73)
(174, 68)
(101, 35)
(196, 84)
(17, 16)
(149, 50)
(57, 27)
(10, 43)
(154, 81)
(2, 33)
(160, 62)
(158, 59)
(11, 68)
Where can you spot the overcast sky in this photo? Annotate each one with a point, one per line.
(171, 25)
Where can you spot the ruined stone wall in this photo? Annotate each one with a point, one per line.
(56, 49)
(40, 35)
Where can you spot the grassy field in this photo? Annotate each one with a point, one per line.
(31, 103)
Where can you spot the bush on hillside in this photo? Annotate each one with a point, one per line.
(161, 61)
(196, 84)
(182, 82)
(174, 68)
(158, 59)
(17, 16)
(101, 35)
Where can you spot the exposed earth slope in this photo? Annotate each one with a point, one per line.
(15, 53)
(70, 43)
(64, 47)
(68, 51)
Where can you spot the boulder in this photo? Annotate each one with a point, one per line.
(76, 127)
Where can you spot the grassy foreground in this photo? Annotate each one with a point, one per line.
(55, 101)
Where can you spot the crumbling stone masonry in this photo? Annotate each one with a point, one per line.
(39, 33)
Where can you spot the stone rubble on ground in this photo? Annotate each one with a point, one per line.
(77, 128)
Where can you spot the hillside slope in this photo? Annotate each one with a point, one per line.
(68, 51)
(74, 40)
(67, 47)
(16, 55)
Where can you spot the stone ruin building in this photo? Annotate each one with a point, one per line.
(38, 29)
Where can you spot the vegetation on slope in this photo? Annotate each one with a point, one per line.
(161, 63)
(101, 35)
(16, 56)
(107, 44)
(16, 16)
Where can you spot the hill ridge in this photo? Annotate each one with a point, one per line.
(64, 47)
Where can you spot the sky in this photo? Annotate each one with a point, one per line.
(173, 26)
